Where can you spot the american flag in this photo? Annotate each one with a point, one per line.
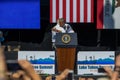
(75, 11)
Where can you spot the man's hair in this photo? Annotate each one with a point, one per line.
(61, 20)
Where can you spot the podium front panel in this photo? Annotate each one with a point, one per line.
(66, 40)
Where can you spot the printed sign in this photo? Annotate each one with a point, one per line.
(88, 62)
(43, 61)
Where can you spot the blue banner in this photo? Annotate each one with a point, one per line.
(20, 14)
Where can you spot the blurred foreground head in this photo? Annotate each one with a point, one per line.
(117, 3)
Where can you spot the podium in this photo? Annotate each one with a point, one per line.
(66, 44)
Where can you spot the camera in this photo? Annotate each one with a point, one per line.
(13, 66)
(101, 70)
(12, 61)
(70, 75)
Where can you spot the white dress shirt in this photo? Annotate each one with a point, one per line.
(65, 29)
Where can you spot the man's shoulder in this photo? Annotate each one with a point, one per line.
(66, 24)
(55, 26)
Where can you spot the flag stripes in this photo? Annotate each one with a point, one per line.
(76, 11)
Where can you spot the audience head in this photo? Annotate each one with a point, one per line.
(117, 3)
(13, 48)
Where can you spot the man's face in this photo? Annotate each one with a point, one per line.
(61, 23)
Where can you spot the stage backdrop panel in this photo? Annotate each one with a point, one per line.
(88, 62)
(19, 14)
(42, 61)
(73, 11)
(108, 14)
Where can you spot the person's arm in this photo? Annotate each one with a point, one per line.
(20, 74)
(114, 75)
(55, 29)
(117, 62)
(108, 71)
(27, 67)
(3, 67)
(62, 76)
(82, 78)
(28, 72)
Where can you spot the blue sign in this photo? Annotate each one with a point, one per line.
(19, 14)
(88, 62)
(42, 61)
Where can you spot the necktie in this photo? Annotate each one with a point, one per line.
(66, 29)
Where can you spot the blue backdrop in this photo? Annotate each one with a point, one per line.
(19, 14)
